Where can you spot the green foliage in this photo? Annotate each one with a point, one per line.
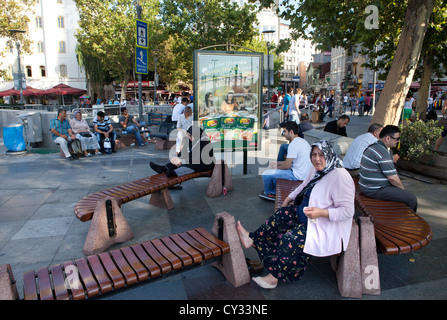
(418, 138)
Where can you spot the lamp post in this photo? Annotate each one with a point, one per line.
(268, 36)
(155, 74)
(15, 31)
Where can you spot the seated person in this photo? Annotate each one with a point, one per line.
(352, 158)
(178, 109)
(131, 125)
(89, 141)
(103, 130)
(62, 134)
(286, 242)
(442, 122)
(378, 176)
(198, 157)
(183, 124)
(230, 103)
(305, 124)
(338, 126)
(295, 167)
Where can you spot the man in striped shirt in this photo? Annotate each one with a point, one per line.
(378, 176)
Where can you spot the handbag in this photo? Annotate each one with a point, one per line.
(76, 146)
(85, 134)
(107, 146)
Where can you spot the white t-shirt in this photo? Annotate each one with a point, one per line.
(299, 150)
(178, 110)
(355, 151)
(409, 104)
(184, 123)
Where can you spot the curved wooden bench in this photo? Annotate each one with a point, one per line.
(85, 207)
(398, 229)
(283, 189)
(118, 269)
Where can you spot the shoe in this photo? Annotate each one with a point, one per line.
(69, 158)
(171, 173)
(98, 153)
(157, 168)
(74, 156)
(270, 197)
(88, 155)
(263, 284)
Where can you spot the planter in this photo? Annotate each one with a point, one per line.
(434, 165)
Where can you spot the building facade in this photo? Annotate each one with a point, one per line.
(52, 30)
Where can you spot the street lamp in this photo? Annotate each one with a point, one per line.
(15, 31)
(268, 36)
(155, 74)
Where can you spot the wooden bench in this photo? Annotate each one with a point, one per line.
(110, 272)
(109, 225)
(398, 229)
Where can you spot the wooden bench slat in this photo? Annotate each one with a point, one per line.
(205, 252)
(137, 266)
(30, 286)
(210, 245)
(87, 277)
(402, 246)
(112, 270)
(224, 247)
(105, 284)
(184, 257)
(157, 257)
(149, 263)
(175, 262)
(45, 289)
(60, 291)
(127, 271)
(196, 256)
(77, 291)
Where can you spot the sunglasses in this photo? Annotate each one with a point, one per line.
(397, 139)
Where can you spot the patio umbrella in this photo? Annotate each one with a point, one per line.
(29, 91)
(63, 89)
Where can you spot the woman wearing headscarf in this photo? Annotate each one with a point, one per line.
(198, 158)
(81, 129)
(229, 103)
(314, 220)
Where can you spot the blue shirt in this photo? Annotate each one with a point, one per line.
(60, 126)
(286, 102)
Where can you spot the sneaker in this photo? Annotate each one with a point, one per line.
(88, 155)
(270, 197)
(69, 158)
(98, 153)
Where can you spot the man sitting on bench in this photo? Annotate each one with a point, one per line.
(198, 158)
(378, 176)
(131, 125)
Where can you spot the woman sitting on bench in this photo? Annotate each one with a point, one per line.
(286, 242)
(198, 158)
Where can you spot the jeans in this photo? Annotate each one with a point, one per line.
(101, 137)
(294, 117)
(134, 129)
(270, 176)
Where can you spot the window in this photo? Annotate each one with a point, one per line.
(63, 71)
(29, 71)
(62, 47)
(43, 73)
(60, 22)
(38, 22)
(40, 47)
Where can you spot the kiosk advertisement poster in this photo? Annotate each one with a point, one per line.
(227, 97)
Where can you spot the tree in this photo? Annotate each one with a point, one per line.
(107, 32)
(14, 15)
(197, 24)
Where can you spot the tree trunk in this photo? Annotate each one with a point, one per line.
(424, 90)
(389, 106)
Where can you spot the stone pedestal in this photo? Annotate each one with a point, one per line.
(349, 279)
(233, 265)
(8, 288)
(215, 187)
(162, 199)
(369, 264)
(98, 238)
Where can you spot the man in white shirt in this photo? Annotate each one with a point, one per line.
(354, 155)
(295, 167)
(178, 109)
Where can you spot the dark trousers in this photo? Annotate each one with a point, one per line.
(102, 137)
(391, 193)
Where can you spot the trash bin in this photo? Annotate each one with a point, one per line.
(13, 137)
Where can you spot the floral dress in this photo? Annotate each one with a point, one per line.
(280, 242)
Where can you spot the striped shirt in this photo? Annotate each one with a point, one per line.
(355, 151)
(376, 165)
(60, 126)
(102, 125)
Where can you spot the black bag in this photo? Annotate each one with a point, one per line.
(85, 134)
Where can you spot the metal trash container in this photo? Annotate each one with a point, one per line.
(13, 138)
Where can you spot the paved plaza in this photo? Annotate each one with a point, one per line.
(38, 228)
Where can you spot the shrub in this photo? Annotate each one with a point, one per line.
(418, 138)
